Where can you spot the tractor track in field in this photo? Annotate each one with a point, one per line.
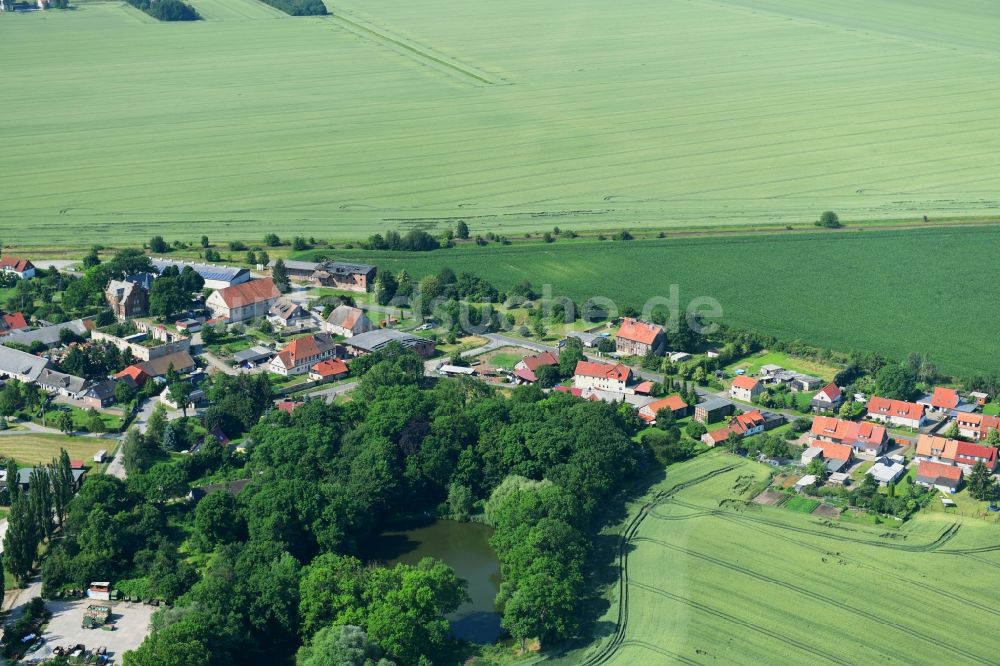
(935, 545)
(657, 649)
(416, 52)
(782, 638)
(913, 633)
(608, 651)
(902, 579)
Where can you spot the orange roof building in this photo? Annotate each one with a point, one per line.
(944, 399)
(675, 403)
(602, 376)
(302, 353)
(638, 338)
(867, 437)
(332, 368)
(240, 302)
(896, 412)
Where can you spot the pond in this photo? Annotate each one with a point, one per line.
(465, 548)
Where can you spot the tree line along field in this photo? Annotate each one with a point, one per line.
(751, 584)
(894, 292)
(516, 115)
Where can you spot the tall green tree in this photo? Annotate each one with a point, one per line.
(895, 382)
(61, 473)
(41, 501)
(280, 275)
(65, 423)
(21, 541)
(982, 485)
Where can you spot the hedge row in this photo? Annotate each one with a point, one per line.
(299, 7)
(167, 10)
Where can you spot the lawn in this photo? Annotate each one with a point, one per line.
(516, 116)
(32, 449)
(801, 504)
(778, 289)
(702, 564)
(753, 364)
(505, 357)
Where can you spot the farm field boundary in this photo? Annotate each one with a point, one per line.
(686, 582)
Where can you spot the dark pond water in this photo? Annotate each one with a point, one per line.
(465, 548)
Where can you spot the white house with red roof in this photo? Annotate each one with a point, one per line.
(12, 321)
(744, 425)
(301, 354)
(675, 403)
(745, 388)
(18, 266)
(867, 438)
(976, 426)
(329, 370)
(942, 476)
(602, 376)
(896, 412)
(827, 399)
(638, 338)
(243, 301)
(524, 370)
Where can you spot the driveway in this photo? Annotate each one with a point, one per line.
(332, 392)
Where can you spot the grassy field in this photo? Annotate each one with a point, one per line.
(515, 116)
(32, 449)
(753, 364)
(741, 585)
(893, 292)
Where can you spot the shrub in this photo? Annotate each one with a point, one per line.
(167, 10)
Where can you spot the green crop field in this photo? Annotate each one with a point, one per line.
(894, 292)
(33, 449)
(516, 116)
(749, 584)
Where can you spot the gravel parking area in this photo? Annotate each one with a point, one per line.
(131, 623)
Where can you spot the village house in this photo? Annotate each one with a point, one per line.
(896, 412)
(712, 410)
(59, 383)
(944, 402)
(243, 301)
(12, 321)
(866, 438)
(16, 364)
(101, 394)
(181, 361)
(215, 277)
(297, 270)
(524, 370)
(744, 425)
(955, 452)
(380, 338)
(745, 388)
(329, 370)
(979, 397)
(887, 470)
(638, 338)
(976, 426)
(675, 403)
(302, 353)
(22, 268)
(943, 477)
(134, 375)
(50, 336)
(286, 313)
(827, 399)
(602, 376)
(347, 321)
(836, 456)
(127, 299)
(351, 277)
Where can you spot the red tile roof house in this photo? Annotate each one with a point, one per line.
(13, 321)
(976, 426)
(602, 376)
(676, 404)
(944, 477)
(943, 400)
(866, 438)
(827, 399)
(743, 425)
(301, 354)
(243, 301)
(22, 268)
(637, 338)
(967, 455)
(896, 412)
(328, 370)
(745, 388)
(135, 375)
(524, 370)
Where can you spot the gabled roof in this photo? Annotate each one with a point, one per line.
(60, 380)
(638, 331)
(644, 388)
(157, 367)
(248, 293)
(833, 451)
(536, 361)
(288, 406)
(746, 421)
(940, 474)
(285, 308)
(135, 373)
(524, 374)
(745, 382)
(101, 390)
(944, 398)
(15, 264)
(847, 432)
(898, 408)
(296, 351)
(936, 447)
(674, 402)
(831, 391)
(345, 316)
(568, 389)
(617, 372)
(968, 453)
(329, 368)
(16, 362)
(13, 321)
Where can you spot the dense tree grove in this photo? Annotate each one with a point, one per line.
(299, 8)
(166, 10)
(282, 576)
